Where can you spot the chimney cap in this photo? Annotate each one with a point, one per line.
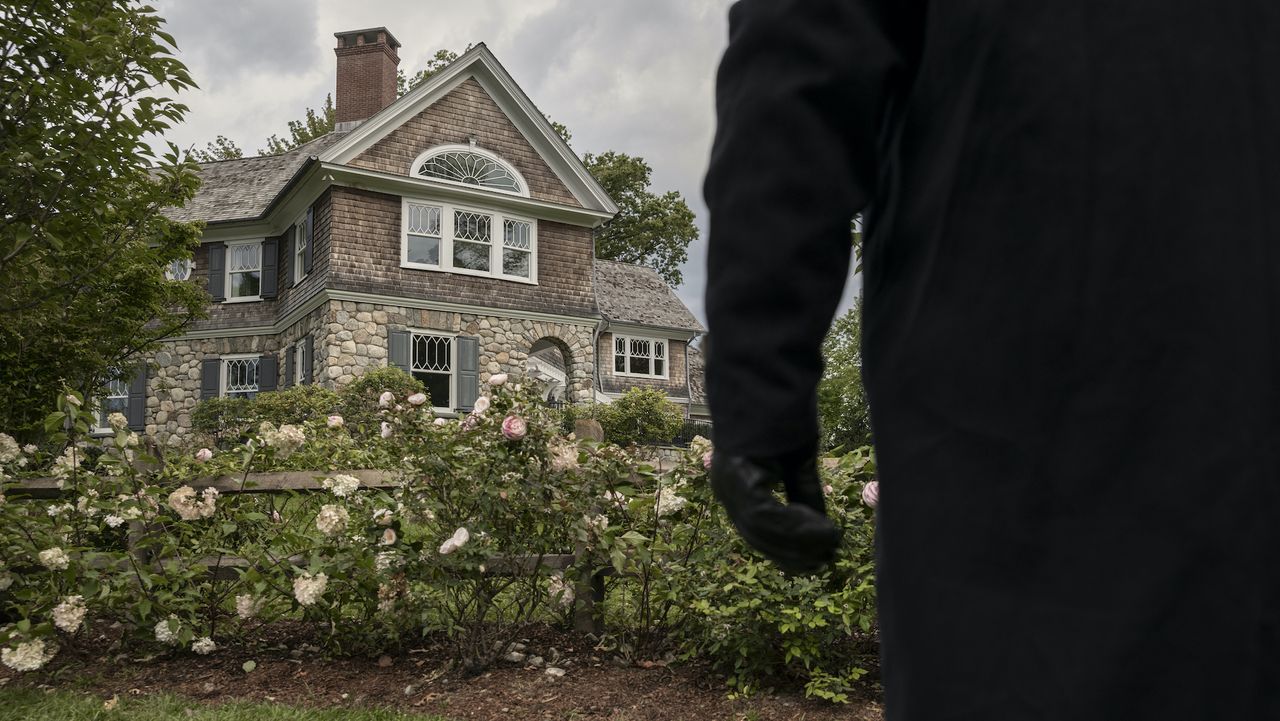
(348, 37)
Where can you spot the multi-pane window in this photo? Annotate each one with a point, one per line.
(244, 270)
(431, 361)
(470, 168)
(240, 377)
(472, 240)
(422, 244)
(517, 247)
(299, 358)
(439, 236)
(179, 269)
(639, 356)
(300, 250)
(113, 399)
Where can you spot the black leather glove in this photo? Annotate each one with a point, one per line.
(797, 536)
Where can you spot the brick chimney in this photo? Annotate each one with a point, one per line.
(367, 63)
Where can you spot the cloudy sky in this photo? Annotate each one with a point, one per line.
(636, 76)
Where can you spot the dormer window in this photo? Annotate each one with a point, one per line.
(469, 165)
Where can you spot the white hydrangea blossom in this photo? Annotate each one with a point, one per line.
(54, 559)
(332, 520)
(28, 656)
(204, 646)
(114, 521)
(84, 504)
(383, 516)
(190, 508)
(166, 634)
(67, 463)
(246, 606)
(615, 498)
(9, 450)
(69, 614)
(308, 589)
(286, 439)
(564, 456)
(341, 485)
(57, 509)
(454, 542)
(117, 421)
(384, 561)
(669, 502)
(560, 591)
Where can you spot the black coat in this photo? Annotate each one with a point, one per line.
(1071, 325)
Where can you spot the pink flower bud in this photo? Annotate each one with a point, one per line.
(417, 399)
(497, 380)
(514, 428)
(441, 421)
(706, 460)
(204, 455)
(828, 490)
(871, 493)
(385, 400)
(334, 421)
(388, 537)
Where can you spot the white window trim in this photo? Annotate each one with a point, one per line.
(95, 402)
(666, 357)
(453, 363)
(298, 355)
(227, 271)
(497, 233)
(222, 370)
(299, 231)
(458, 148)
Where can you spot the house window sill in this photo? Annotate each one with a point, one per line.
(463, 271)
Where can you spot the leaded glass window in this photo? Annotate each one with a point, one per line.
(423, 226)
(244, 270)
(241, 377)
(640, 356)
(431, 361)
(471, 240)
(469, 168)
(114, 399)
(517, 248)
(179, 269)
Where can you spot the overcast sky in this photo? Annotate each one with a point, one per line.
(635, 76)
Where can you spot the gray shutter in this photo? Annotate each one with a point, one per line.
(286, 256)
(267, 372)
(217, 272)
(308, 360)
(138, 399)
(288, 366)
(398, 349)
(210, 378)
(309, 252)
(468, 372)
(270, 267)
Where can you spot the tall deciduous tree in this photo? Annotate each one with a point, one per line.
(316, 123)
(843, 413)
(649, 229)
(83, 243)
(221, 148)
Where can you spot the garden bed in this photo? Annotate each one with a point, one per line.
(594, 686)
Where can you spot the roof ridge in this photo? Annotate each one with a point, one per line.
(274, 155)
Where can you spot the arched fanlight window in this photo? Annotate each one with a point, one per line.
(468, 165)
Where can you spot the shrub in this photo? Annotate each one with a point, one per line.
(358, 400)
(641, 416)
(228, 420)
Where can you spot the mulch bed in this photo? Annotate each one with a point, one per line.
(594, 686)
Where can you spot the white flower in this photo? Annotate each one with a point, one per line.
(564, 456)
(597, 523)
(246, 606)
(497, 380)
(184, 502)
(383, 516)
(386, 399)
(454, 542)
(117, 421)
(334, 421)
(204, 646)
(286, 440)
(341, 485)
(388, 537)
(481, 405)
(54, 559)
(615, 498)
(56, 509)
(386, 429)
(69, 614)
(440, 421)
(417, 399)
(132, 441)
(9, 450)
(332, 520)
(203, 455)
(73, 400)
(114, 521)
(28, 656)
(167, 630)
(84, 507)
(384, 560)
(29, 449)
(67, 463)
(559, 591)
(669, 502)
(308, 589)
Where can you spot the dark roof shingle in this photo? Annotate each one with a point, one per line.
(629, 293)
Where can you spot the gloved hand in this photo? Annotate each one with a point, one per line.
(797, 536)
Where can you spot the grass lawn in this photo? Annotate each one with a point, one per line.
(31, 705)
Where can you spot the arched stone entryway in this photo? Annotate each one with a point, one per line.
(563, 360)
(550, 362)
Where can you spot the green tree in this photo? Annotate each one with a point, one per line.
(438, 62)
(649, 229)
(83, 243)
(222, 148)
(641, 416)
(316, 123)
(843, 413)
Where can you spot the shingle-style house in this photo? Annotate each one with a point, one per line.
(447, 232)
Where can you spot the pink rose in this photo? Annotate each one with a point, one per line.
(871, 493)
(417, 399)
(440, 421)
(388, 537)
(385, 400)
(514, 428)
(706, 460)
(482, 405)
(203, 455)
(828, 490)
(335, 421)
(386, 429)
(497, 380)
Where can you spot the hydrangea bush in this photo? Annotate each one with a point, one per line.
(467, 539)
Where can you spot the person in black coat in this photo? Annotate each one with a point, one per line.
(1071, 337)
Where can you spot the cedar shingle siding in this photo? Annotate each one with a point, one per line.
(465, 112)
(676, 384)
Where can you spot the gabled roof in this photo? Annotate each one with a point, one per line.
(243, 189)
(479, 63)
(636, 294)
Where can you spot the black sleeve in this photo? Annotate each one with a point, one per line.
(801, 95)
